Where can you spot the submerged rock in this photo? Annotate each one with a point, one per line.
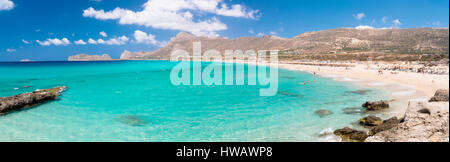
(131, 120)
(441, 95)
(351, 135)
(26, 100)
(360, 92)
(323, 113)
(432, 126)
(287, 77)
(286, 93)
(370, 121)
(353, 110)
(377, 105)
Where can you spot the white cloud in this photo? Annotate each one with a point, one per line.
(260, 34)
(113, 41)
(142, 37)
(251, 31)
(92, 41)
(385, 19)
(396, 23)
(273, 33)
(436, 23)
(359, 16)
(103, 34)
(364, 27)
(25, 41)
(176, 15)
(55, 41)
(6, 5)
(80, 42)
(10, 50)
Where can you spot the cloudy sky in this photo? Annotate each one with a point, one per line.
(52, 30)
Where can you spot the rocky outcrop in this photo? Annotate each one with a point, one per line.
(323, 113)
(351, 135)
(26, 100)
(423, 122)
(375, 106)
(441, 95)
(385, 125)
(86, 57)
(370, 121)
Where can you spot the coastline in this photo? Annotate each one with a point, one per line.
(402, 88)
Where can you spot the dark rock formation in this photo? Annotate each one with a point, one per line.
(370, 121)
(323, 113)
(351, 135)
(26, 100)
(441, 95)
(377, 105)
(385, 125)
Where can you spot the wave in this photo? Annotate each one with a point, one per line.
(404, 93)
(327, 135)
(345, 79)
(377, 84)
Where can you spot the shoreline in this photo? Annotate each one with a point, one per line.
(402, 88)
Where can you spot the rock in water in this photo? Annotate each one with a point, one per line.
(286, 93)
(441, 95)
(323, 113)
(131, 120)
(377, 105)
(351, 135)
(18, 102)
(370, 121)
(361, 92)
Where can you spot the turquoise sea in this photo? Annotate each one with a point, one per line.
(135, 101)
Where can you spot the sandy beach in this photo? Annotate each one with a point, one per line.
(403, 87)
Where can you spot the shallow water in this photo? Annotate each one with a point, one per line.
(135, 101)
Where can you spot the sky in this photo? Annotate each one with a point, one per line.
(52, 30)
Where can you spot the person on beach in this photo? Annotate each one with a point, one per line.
(380, 71)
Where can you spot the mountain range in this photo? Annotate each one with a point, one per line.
(335, 41)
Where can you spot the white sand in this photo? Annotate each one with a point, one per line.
(403, 87)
